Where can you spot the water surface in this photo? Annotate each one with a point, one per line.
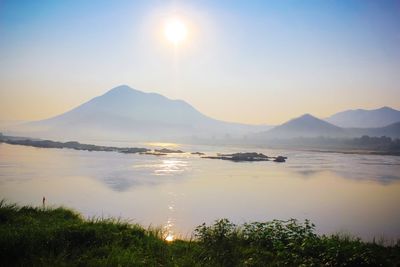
(357, 194)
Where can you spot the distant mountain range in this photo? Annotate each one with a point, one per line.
(362, 118)
(309, 126)
(124, 113)
(129, 114)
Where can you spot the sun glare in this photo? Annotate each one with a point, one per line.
(175, 31)
(169, 238)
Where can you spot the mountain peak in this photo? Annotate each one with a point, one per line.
(309, 120)
(386, 108)
(121, 89)
(307, 116)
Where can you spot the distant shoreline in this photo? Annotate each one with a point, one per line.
(235, 157)
(357, 152)
(24, 141)
(33, 142)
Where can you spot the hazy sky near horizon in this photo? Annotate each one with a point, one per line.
(243, 61)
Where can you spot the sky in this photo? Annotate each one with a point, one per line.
(257, 62)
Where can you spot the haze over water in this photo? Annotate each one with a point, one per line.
(357, 194)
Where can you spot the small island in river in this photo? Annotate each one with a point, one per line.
(248, 156)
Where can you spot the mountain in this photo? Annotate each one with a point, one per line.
(304, 126)
(129, 114)
(362, 118)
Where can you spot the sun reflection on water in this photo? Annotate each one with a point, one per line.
(171, 166)
(169, 226)
(169, 237)
(162, 144)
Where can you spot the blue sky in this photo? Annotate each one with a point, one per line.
(244, 61)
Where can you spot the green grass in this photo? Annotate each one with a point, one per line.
(32, 236)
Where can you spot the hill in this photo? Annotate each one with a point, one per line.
(304, 126)
(392, 130)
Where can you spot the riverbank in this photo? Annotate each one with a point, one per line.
(31, 236)
(69, 145)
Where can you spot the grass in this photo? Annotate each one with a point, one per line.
(31, 236)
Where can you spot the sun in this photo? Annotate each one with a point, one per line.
(175, 30)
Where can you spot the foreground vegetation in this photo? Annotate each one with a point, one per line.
(32, 236)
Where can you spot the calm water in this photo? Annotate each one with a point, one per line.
(358, 194)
